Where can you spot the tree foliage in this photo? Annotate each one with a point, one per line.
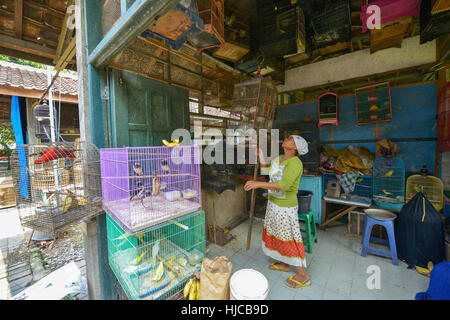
(7, 138)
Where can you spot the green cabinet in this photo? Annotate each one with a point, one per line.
(144, 111)
(313, 184)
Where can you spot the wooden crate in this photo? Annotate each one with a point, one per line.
(7, 192)
(390, 35)
(438, 6)
(340, 46)
(231, 52)
(355, 226)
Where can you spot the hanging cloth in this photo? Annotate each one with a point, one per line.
(20, 140)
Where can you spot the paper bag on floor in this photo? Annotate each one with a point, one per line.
(215, 279)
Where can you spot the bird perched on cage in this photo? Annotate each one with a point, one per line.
(69, 202)
(165, 166)
(389, 173)
(174, 143)
(156, 185)
(141, 193)
(137, 168)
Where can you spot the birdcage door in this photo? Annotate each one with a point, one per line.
(145, 111)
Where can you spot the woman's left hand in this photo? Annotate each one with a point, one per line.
(249, 185)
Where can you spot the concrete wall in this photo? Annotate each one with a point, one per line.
(360, 64)
(413, 116)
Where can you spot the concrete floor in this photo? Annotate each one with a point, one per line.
(15, 278)
(336, 268)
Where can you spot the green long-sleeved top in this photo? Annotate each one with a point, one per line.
(288, 175)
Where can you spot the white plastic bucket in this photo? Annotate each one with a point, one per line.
(248, 284)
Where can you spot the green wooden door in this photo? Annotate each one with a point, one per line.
(145, 111)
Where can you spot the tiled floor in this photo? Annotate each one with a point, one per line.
(335, 266)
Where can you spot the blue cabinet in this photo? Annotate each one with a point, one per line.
(313, 184)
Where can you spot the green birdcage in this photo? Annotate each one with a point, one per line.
(156, 264)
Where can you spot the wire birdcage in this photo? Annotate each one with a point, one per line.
(145, 186)
(56, 184)
(156, 264)
(389, 183)
(212, 14)
(431, 187)
(256, 100)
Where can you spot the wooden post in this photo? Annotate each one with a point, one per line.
(252, 207)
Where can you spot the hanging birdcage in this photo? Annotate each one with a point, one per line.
(56, 184)
(145, 186)
(389, 183)
(328, 108)
(255, 100)
(431, 187)
(177, 24)
(212, 14)
(156, 264)
(42, 121)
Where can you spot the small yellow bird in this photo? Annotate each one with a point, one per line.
(156, 185)
(385, 192)
(137, 261)
(389, 173)
(174, 143)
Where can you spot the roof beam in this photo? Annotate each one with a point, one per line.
(26, 46)
(28, 93)
(130, 25)
(27, 50)
(63, 35)
(18, 18)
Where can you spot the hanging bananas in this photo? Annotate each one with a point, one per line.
(192, 289)
(174, 143)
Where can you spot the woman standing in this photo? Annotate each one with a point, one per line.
(282, 239)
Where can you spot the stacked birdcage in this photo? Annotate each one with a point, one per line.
(157, 263)
(146, 186)
(389, 183)
(56, 184)
(212, 14)
(255, 100)
(431, 187)
(174, 27)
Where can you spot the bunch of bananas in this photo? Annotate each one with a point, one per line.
(192, 289)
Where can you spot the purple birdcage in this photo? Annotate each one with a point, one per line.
(146, 186)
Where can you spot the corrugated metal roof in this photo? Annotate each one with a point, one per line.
(25, 77)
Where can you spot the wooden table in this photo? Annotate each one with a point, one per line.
(348, 207)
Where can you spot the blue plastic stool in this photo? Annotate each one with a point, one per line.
(389, 225)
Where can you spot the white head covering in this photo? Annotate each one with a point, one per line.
(301, 144)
